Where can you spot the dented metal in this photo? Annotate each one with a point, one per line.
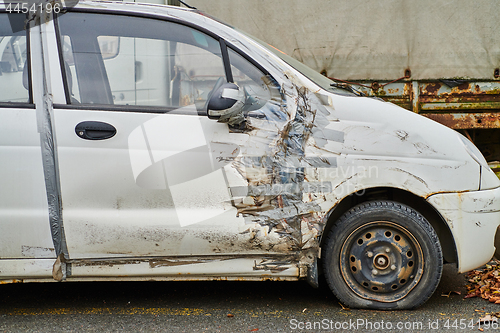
(461, 104)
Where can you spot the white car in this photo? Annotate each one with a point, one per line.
(157, 143)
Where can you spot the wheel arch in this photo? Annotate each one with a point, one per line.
(404, 197)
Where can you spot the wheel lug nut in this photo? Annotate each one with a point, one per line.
(393, 267)
(374, 272)
(369, 254)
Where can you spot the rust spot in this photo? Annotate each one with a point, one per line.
(464, 97)
(467, 120)
(463, 86)
(432, 88)
(393, 91)
(11, 281)
(167, 262)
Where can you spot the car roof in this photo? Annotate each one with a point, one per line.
(181, 13)
(178, 12)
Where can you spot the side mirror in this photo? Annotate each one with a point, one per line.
(226, 103)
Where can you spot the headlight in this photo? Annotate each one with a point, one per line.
(473, 151)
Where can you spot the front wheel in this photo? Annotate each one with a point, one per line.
(382, 255)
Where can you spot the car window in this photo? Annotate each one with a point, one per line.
(14, 78)
(134, 61)
(70, 70)
(251, 79)
(122, 60)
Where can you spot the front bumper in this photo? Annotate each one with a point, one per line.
(473, 218)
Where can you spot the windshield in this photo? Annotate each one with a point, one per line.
(310, 73)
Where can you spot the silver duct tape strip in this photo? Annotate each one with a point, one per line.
(320, 162)
(52, 183)
(256, 161)
(301, 208)
(49, 158)
(279, 189)
(328, 134)
(291, 161)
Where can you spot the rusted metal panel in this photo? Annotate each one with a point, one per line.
(457, 104)
(467, 120)
(456, 95)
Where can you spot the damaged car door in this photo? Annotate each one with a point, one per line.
(144, 172)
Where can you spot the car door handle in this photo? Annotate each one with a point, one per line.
(95, 130)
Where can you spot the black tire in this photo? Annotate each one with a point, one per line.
(382, 255)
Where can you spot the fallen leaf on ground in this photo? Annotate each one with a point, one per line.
(344, 308)
(485, 283)
(487, 319)
(230, 315)
(453, 292)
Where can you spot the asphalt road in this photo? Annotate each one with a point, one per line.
(224, 307)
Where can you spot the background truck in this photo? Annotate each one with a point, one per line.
(438, 58)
